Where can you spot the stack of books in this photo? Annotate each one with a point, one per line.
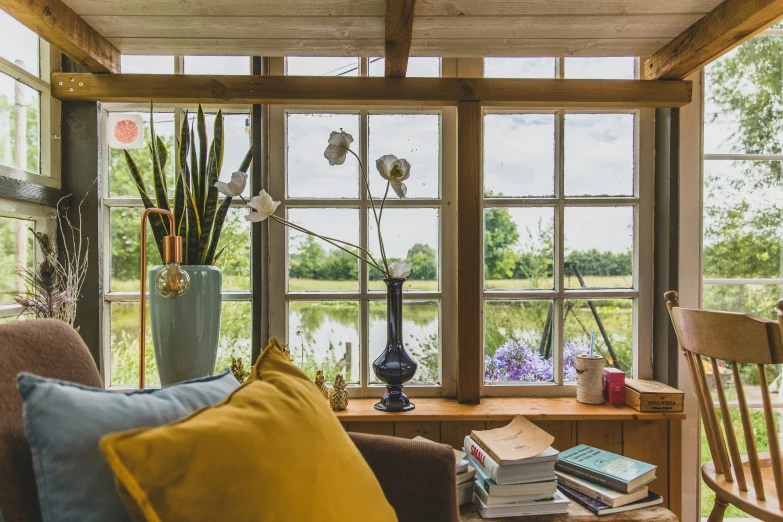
(515, 471)
(465, 474)
(604, 482)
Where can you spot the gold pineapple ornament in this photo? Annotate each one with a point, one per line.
(238, 369)
(339, 398)
(320, 382)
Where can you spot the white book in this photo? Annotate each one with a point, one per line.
(554, 506)
(484, 481)
(462, 466)
(602, 494)
(536, 469)
(495, 500)
(464, 493)
(466, 476)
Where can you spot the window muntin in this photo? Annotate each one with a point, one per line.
(418, 66)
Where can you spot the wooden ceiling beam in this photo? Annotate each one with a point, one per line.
(399, 31)
(59, 25)
(724, 28)
(183, 89)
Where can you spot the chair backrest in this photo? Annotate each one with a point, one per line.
(736, 339)
(48, 348)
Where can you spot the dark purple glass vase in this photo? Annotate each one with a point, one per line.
(394, 366)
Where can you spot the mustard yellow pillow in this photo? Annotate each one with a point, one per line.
(271, 451)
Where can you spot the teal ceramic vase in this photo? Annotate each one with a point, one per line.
(185, 330)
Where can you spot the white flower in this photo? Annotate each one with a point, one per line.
(262, 205)
(339, 143)
(235, 187)
(395, 171)
(399, 270)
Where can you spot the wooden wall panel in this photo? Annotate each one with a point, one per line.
(453, 432)
(427, 429)
(374, 428)
(564, 432)
(648, 441)
(606, 435)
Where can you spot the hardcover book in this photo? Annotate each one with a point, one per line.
(602, 494)
(602, 509)
(535, 469)
(556, 505)
(605, 468)
(546, 486)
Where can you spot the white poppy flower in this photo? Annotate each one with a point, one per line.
(339, 143)
(399, 270)
(235, 187)
(262, 205)
(395, 171)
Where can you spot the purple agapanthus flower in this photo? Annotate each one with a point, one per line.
(514, 361)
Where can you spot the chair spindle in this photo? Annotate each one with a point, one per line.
(772, 433)
(712, 419)
(747, 431)
(728, 427)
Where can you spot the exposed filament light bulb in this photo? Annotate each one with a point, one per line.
(172, 281)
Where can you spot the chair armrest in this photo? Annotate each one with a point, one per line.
(418, 478)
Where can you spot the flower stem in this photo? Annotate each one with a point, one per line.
(383, 202)
(375, 212)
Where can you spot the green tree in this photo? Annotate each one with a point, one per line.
(500, 236)
(424, 261)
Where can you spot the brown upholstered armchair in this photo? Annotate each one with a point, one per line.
(417, 478)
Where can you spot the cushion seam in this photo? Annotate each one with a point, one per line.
(127, 479)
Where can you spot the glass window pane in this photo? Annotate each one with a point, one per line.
(324, 335)
(234, 243)
(605, 68)
(410, 235)
(420, 337)
(17, 250)
(124, 335)
(519, 155)
(599, 154)
(758, 300)
(599, 247)
(124, 243)
(415, 137)
(616, 317)
(18, 44)
(519, 67)
(138, 64)
(20, 125)
(217, 65)
(236, 331)
(236, 141)
(519, 248)
(518, 341)
(120, 180)
(418, 66)
(315, 265)
(322, 66)
(309, 174)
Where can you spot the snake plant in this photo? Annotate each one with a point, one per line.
(198, 213)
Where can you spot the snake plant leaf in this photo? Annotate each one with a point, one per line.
(194, 175)
(246, 161)
(156, 221)
(217, 256)
(201, 127)
(159, 158)
(210, 207)
(220, 218)
(194, 230)
(184, 148)
(179, 205)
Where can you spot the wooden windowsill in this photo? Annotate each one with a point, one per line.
(495, 409)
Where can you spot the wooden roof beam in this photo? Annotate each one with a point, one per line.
(723, 29)
(399, 31)
(59, 25)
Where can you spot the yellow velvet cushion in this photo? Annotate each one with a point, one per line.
(271, 451)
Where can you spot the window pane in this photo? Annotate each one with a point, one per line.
(217, 65)
(758, 300)
(415, 137)
(599, 247)
(17, 250)
(518, 341)
(20, 125)
(236, 141)
(137, 64)
(120, 180)
(125, 347)
(418, 66)
(410, 235)
(309, 174)
(234, 242)
(599, 154)
(519, 67)
(613, 68)
(124, 242)
(236, 331)
(420, 337)
(324, 335)
(616, 316)
(18, 44)
(519, 155)
(518, 248)
(321, 66)
(315, 265)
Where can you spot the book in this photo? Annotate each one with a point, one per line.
(494, 500)
(600, 508)
(462, 466)
(465, 493)
(484, 481)
(512, 444)
(535, 469)
(606, 469)
(652, 396)
(602, 494)
(554, 506)
(466, 476)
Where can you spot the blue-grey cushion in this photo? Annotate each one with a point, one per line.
(64, 422)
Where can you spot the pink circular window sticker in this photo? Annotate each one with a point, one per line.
(125, 131)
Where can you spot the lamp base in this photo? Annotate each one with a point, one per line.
(394, 400)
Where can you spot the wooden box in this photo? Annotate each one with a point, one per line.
(652, 396)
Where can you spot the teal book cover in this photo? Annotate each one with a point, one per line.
(603, 466)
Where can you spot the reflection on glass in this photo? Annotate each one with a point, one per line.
(410, 235)
(321, 66)
(324, 335)
(125, 248)
(236, 141)
(315, 265)
(309, 174)
(234, 261)
(599, 154)
(124, 335)
(519, 67)
(415, 137)
(217, 65)
(418, 66)
(120, 180)
(421, 337)
(17, 250)
(518, 248)
(758, 300)
(138, 64)
(518, 341)
(599, 247)
(20, 125)
(583, 317)
(604, 68)
(519, 155)
(18, 44)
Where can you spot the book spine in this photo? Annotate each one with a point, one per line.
(593, 476)
(586, 491)
(482, 458)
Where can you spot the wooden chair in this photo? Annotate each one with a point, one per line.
(737, 339)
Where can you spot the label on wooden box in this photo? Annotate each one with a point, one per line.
(652, 396)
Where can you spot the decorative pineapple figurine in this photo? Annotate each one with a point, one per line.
(339, 398)
(238, 369)
(320, 382)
